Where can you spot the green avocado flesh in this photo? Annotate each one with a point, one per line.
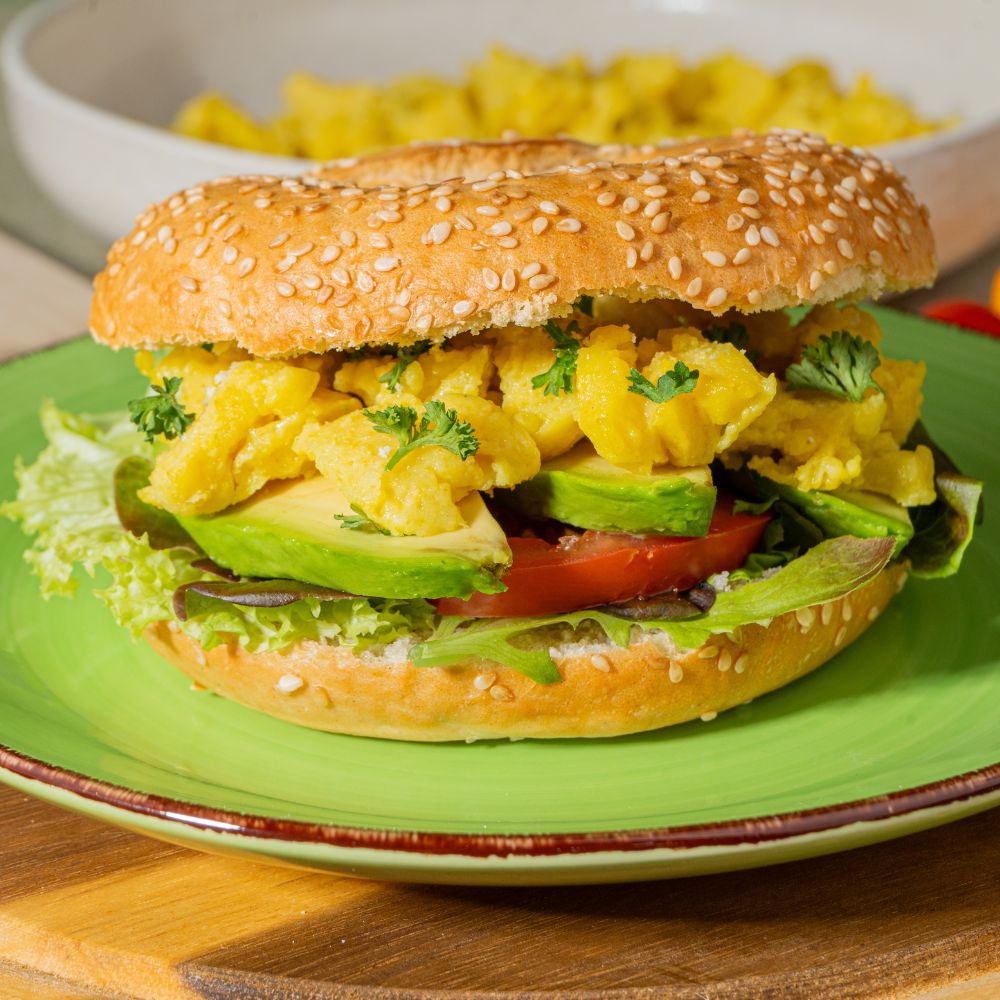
(289, 530)
(846, 512)
(582, 489)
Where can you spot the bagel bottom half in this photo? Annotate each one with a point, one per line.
(606, 690)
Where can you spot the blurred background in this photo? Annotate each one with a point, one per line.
(109, 104)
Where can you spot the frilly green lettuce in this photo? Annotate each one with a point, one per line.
(65, 500)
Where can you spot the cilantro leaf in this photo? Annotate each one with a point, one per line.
(585, 304)
(734, 333)
(359, 521)
(839, 364)
(678, 380)
(405, 357)
(439, 427)
(161, 413)
(559, 378)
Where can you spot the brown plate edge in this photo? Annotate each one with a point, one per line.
(725, 833)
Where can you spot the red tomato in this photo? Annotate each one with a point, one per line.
(600, 567)
(970, 315)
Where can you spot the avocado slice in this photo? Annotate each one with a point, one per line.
(845, 512)
(583, 489)
(289, 530)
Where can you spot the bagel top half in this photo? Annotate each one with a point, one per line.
(295, 265)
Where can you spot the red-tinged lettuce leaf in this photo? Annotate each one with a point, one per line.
(943, 530)
(253, 593)
(161, 528)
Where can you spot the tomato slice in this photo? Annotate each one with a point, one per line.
(600, 567)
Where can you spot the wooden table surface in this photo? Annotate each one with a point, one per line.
(88, 910)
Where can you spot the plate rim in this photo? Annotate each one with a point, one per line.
(754, 830)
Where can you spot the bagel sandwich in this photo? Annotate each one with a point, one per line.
(500, 440)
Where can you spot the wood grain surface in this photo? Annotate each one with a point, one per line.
(87, 910)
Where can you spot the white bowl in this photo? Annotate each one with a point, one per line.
(91, 84)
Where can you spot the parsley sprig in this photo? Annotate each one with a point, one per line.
(839, 364)
(585, 304)
(359, 521)
(559, 378)
(404, 358)
(679, 379)
(439, 427)
(161, 413)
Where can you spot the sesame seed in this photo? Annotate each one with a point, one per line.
(826, 614)
(170, 246)
(624, 230)
(715, 257)
(508, 242)
(606, 198)
(834, 209)
(655, 191)
(201, 247)
(230, 254)
(697, 178)
(380, 241)
(725, 660)
(220, 221)
(522, 214)
(548, 207)
(701, 196)
(463, 307)
(741, 663)
(646, 253)
(741, 256)
(727, 177)
(188, 284)
(601, 663)
(285, 288)
(324, 293)
(845, 248)
(815, 280)
(821, 191)
(630, 205)
(463, 222)
(423, 323)
(769, 236)
(648, 177)
(735, 221)
(539, 225)
(676, 673)
(872, 614)
(817, 234)
(540, 281)
(752, 235)
(312, 281)
(708, 716)
(631, 258)
(708, 652)
(285, 263)
(365, 282)
(500, 693)
(660, 222)
(806, 618)
(841, 635)
(829, 226)
(796, 195)
(754, 297)
(881, 227)
(386, 263)
(652, 208)
(399, 312)
(340, 275)
(748, 197)
(289, 683)
(750, 212)
(875, 257)
(847, 611)
(530, 270)
(693, 288)
(711, 162)
(165, 232)
(140, 237)
(439, 232)
(675, 268)
(490, 210)
(443, 204)
(246, 266)
(348, 237)
(483, 682)
(569, 225)
(508, 281)
(388, 215)
(503, 228)
(716, 297)
(491, 279)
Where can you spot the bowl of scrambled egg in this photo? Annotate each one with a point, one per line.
(113, 105)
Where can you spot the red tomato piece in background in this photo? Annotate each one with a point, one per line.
(600, 567)
(970, 315)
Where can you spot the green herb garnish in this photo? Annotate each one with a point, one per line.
(678, 380)
(439, 427)
(585, 304)
(559, 378)
(734, 333)
(405, 357)
(839, 364)
(161, 413)
(359, 521)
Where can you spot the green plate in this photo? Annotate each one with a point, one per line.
(898, 733)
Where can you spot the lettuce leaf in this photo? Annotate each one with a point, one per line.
(66, 500)
(942, 530)
(831, 569)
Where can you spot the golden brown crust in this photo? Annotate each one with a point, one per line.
(747, 223)
(606, 690)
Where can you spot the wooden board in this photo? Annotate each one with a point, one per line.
(87, 910)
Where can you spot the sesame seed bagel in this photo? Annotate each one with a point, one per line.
(605, 690)
(745, 223)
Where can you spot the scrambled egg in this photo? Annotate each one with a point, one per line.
(258, 420)
(636, 98)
